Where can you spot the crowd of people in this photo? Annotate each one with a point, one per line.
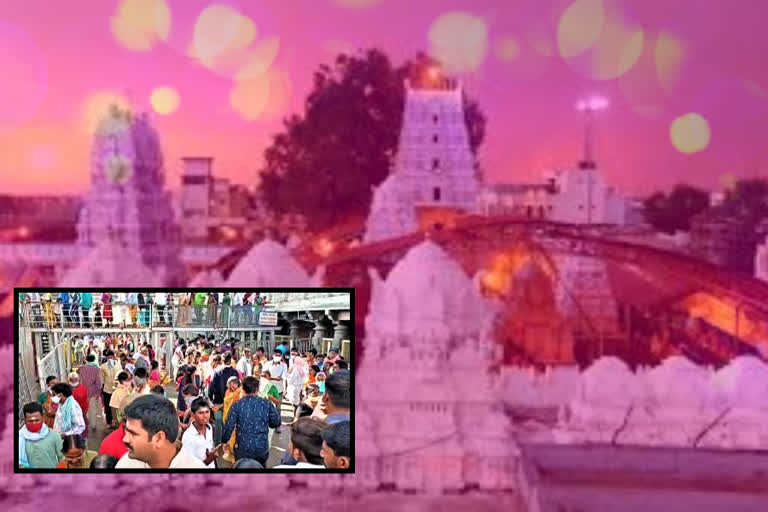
(140, 309)
(226, 410)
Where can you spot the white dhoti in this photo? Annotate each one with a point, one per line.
(293, 394)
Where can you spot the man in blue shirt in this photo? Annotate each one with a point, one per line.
(64, 298)
(252, 416)
(336, 402)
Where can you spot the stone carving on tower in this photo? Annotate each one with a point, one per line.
(434, 165)
(127, 204)
(426, 320)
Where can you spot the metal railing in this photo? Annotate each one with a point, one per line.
(57, 362)
(53, 316)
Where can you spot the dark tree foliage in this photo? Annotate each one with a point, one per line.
(674, 212)
(325, 163)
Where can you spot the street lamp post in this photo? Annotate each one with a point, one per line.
(589, 107)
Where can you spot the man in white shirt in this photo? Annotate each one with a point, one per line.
(306, 443)
(198, 438)
(277, 369)
(245, 365)
(237, 308)
(119, 309)
(151, 430)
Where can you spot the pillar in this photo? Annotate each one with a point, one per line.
(294, 329)
(340, 332)
(319, 332)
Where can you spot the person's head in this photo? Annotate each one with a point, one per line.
(233, 383)
(61, 392)
(311, 352)
(247, 464)
(335, 450)
(333, 353)
(74, 379)
(123, 359)
(341, 365)
(140, 377)
(159, 390)
(144, 351)
(306, 440)
(51, 381)
(314, 370)
(122, 378)
(104, 462)
(151, 428)
(73, 449)
(155, 365)
(91, 358)
(201, 411)
(313, 390)
(109, 354)
(228, 359)
(247, 353)
(305, 410)
(250, 385)
(189, 393)
(277, 355)
(320, 379)
(284, 343)
(260, 352)
(216, 360)
(33, 416)
(336, 397)
(294, 353)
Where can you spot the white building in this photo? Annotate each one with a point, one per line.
(196, 186)
(434, 166)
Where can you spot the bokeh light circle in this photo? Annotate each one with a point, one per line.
(580, 27)
(669, 54)
(616, 50)
(139, 25)
(690, 133)
(459, 40)
(25, 76)
(164, 100)
(507, 49)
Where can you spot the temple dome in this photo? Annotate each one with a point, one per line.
(608, 382)
(678, 382)
(428, 294)
(111, 265)
(268, 263)
(743, 383)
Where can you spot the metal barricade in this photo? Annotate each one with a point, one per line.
(346, 350)
(57, 362)
(301, 344)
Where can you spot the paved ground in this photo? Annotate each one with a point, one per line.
(279, 439)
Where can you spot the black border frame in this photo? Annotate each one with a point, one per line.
(17, 408)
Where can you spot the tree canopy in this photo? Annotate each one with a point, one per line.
(674, 212)
(324, 163)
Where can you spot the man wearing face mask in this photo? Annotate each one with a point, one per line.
(109, 373)
(39, 446)
(277, 370)
(80, 394)
(335, 402)
(69, 417)
(140, 388)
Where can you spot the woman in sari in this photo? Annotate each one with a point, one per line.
(46, 400)
(154, 375)
(233, 394)
(50, 318)
(106, 313)
(270, 392)
(76, 456)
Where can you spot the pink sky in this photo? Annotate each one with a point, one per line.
(55, 56)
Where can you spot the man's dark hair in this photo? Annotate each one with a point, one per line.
(337, 388)
(122, 377)
(337, 438)
(190, 390)
(305, 410)
(91, 358)
(199, 403)
(32, 408)
(104, 462)
(63, 388)
(260, 349)
(306, 436)
(342, 365)
(312, 351)
(155, 364)
(156, 415)
(228, 358)
(315, 368)
(159, 390)
(250, 385)
(70, 442)
(49, 378)
(141, 373)
(284, 343)
(108, 353)
(247, 464)
(276, 351)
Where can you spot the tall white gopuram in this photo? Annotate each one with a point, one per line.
(127, 203)
(434, 165)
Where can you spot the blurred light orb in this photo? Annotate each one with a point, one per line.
(580, 27)
(690, 133)
(507, 49)
(249, 97)
(220, 28)
(164, 100)
(459, 40)
(98, 105)
(669, 54)
(25, 76)
(259, 59)
(139, 24)
(616, 50)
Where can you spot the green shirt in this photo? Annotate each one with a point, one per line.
(200, 299)
(45, 453)
(86, 300)
(42, 397)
